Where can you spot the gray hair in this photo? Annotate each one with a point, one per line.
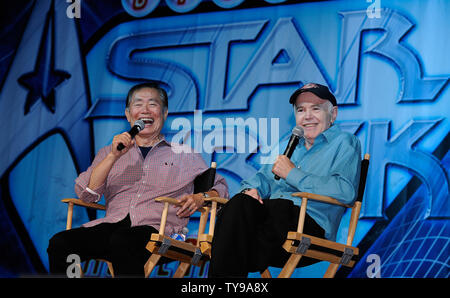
(150, 85)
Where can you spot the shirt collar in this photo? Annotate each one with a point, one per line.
(331, 132)
(326, 135)
(162, 141)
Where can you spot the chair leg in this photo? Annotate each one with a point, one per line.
(290, 266)
(81, 270)
(331, 271)
(110, 267)
(266, 274)
(150, 264)
(181, 270)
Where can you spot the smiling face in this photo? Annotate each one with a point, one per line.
(146, 105)
(314, 115)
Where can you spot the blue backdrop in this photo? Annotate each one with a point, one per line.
(229, 68)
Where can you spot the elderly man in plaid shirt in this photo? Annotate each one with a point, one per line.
(130, 179)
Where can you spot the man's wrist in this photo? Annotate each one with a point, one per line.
(112, 157)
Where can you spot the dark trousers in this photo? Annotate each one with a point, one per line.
(119, 243)
(248, 236)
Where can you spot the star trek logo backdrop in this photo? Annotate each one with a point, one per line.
(66, 67)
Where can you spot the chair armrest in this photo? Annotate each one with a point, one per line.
(324, 199)
(203, 210)
(79, 202)
(71, 202)
(175, 202)
(169, 200)
(218, 200)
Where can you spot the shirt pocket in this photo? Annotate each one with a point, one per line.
(165, 175)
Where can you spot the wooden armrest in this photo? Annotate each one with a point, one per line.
(79, 202)
(218, 200)
(168, 200)
(320, 198)
(175, 202)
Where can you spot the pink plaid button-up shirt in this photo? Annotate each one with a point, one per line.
(134, 182)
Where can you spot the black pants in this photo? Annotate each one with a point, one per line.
(119, 243)
(248, 236)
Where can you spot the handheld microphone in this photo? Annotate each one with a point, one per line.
(297, 133)
(137, 127)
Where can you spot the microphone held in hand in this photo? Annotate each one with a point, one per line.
(297, 133)
(137, 127)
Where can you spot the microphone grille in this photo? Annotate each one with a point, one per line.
(298, 131)
(140, 124)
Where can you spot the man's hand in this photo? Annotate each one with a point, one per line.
(190, 204)
(254, 194)
(282, 166)
(125, 139)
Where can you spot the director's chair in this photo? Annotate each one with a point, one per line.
(187, 253)
(71, 202)
(299, 244)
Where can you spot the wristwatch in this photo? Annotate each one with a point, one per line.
(205, 195)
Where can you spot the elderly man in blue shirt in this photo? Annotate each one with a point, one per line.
(251, 228)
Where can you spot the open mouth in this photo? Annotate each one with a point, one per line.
(147, 121)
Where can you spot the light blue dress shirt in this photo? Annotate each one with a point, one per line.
(331, 167)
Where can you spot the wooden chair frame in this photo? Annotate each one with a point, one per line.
(299, 244)
(188, 254)
(71, 202)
